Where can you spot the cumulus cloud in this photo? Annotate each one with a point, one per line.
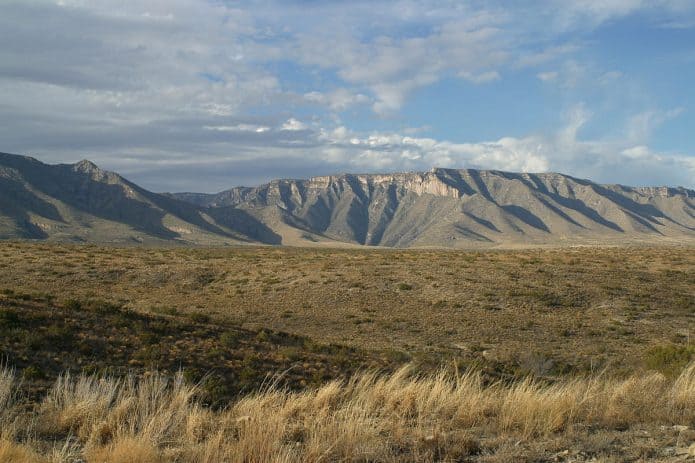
(308, 150)
(293, 125)
(623, 160)
(338, 99)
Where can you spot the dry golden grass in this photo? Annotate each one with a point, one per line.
(11, 452)
(371, 417)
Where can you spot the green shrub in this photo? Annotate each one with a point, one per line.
(148, 338)
(396, 356)
(200, 318)
(9, 318)
(669, 359)
(59, 336)
(230, 339)
(151, 354)
(164, 310)
(33, 372)
(214, 391)
(72, 304)
(291, 353)
(405, 286)
(103, 307)
(35, 341)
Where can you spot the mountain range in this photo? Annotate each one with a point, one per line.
(459, 208)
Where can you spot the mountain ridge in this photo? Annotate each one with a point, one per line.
(460, 208)
(81, 202)
(490, 201)
(207, 198)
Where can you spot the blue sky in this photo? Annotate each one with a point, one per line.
(205, 95)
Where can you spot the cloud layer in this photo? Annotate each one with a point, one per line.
(195, 95)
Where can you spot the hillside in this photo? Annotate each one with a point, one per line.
(462, 208)
(439, 208)
(80, 202)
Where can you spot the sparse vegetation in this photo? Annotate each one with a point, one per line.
(42, 340)
(555, 302)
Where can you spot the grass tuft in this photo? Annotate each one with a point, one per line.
(371, 417)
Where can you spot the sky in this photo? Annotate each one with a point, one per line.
(195, 95)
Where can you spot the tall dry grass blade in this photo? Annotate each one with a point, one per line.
(371, 417)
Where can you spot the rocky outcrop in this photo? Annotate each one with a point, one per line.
(665, 192)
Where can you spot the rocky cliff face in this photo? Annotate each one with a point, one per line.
(432, 182)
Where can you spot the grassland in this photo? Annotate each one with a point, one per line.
(548, 312)
(43, 339)
(546, 354)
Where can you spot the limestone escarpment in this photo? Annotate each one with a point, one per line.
(462, 207)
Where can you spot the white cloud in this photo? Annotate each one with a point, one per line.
(396, 151)
(571, 14)
(547, 54)
(293, 125)
(337, 100)
(238, 128)
(572, 74)
(610, 76)
(470, 44)
(548, 76)
(481, 78)
(263, 152)
(641, 126)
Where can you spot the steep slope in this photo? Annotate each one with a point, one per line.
(442, 207)
(462, 208)
(80, 202)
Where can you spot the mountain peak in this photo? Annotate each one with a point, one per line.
(86, 166)
(96, 173)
